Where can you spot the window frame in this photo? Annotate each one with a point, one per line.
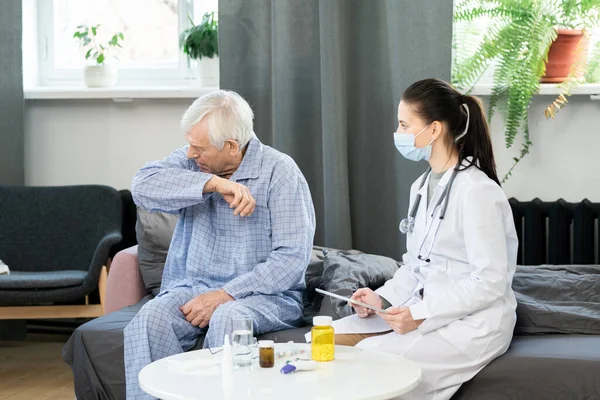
(154, 73)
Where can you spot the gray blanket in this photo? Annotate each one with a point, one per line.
(557, 299)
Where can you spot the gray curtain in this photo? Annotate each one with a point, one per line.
(11, 94)
(324, 79)
(11, 119)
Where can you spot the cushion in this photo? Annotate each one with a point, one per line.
(345, 271)
(42, 280)
(314, 279)
(557, 299)
(154, 231)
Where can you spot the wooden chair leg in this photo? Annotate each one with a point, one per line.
(102, 286)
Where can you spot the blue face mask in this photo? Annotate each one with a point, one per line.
(405, 143)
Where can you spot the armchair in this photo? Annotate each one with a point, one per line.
(56, 241)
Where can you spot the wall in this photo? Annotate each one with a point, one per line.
(563, 160)
(71, 142)
(103, 142)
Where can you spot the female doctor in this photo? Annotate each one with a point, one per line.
(450, 307)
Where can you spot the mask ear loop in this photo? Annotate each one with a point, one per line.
(432, 140)
(466, 107)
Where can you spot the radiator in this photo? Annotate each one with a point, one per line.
(556, 232)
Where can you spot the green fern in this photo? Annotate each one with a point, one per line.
(506, 78)
(592, 73)
(526, 83)
(497, 12)
(472, 69)
(517, 39)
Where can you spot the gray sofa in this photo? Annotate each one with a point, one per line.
(555, 353)
(541, 366)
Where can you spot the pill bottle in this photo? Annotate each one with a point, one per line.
(322, 338)
(266, 353)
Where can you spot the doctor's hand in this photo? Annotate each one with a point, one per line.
(199, 310)
(365, 295)
(400, 320)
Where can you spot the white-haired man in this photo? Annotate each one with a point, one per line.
(242, 242)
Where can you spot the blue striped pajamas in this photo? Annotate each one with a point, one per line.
(259, 260)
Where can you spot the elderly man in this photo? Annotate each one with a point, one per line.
(242, 242)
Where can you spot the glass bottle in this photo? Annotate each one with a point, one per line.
(266, 353)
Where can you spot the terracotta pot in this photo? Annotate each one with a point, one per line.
(570, 46)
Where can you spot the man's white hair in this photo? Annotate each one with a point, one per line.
(227, 114)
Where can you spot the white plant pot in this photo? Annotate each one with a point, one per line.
(207, 71)
(104, 75)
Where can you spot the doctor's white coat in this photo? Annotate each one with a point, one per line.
(467, 300)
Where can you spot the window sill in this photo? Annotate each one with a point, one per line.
(125, 93)
(589, 89)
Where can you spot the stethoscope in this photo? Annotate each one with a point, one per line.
(407, 225)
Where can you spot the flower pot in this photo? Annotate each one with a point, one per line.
(569, 47)
(207, 71)
(104, 75)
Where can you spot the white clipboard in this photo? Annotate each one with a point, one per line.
(360, 303)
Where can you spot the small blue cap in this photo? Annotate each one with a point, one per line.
(287, 368)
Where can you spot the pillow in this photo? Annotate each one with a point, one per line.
(345, 271)
(154, 231)
(314, 276)
(557, 299)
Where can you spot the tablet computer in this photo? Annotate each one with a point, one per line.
(349, 300)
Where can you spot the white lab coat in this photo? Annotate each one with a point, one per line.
(468, 303)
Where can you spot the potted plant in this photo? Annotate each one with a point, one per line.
(527, 41)
(100, 73)
(201, 45)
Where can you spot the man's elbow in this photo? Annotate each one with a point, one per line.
(136, 194)
(141, 186)
(137, 191)
(138, 182)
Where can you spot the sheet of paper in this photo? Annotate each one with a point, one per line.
(355, 324)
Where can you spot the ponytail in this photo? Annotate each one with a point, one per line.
(476, 143)
(468, 131)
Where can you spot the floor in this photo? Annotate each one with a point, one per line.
(34, 369)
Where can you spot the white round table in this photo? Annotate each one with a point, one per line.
(353, 375)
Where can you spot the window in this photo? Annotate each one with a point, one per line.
(151, 29)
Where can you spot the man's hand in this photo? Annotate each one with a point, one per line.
(199, 310)
(400, 320)
(365, 295)
(236, 195)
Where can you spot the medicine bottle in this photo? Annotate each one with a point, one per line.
(266, 353)
(322, 338)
